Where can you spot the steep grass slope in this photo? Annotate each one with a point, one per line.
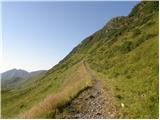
(130, 63)
(49, 92)
(124, 53)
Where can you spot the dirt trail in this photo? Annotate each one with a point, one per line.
(92, 103)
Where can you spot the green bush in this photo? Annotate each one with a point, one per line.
(136, 32)
(126, 47)
(142, 39)
(150, 23)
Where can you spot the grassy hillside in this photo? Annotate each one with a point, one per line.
(130, 62)
(132, 68)
(51, 91)
(124, 53)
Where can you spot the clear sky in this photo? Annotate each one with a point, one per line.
(37, 35)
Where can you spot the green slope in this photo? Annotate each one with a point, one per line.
(124, 53)
(52, 90)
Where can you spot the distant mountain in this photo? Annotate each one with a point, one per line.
(15, 77)
(123, 58)
(14, 73)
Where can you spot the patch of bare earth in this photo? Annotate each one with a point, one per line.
(93, 103)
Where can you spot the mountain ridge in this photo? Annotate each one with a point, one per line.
(12, 78)
(124, 56)
(105, 53)
(17, 73)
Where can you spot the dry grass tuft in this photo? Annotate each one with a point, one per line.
(77, 82)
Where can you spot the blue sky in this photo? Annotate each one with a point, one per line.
(37, 35)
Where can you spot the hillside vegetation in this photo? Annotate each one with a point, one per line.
(49, 92)
(123, 54)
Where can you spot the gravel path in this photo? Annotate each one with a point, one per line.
(92, 103)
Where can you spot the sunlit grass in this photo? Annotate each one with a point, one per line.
(133, 72)
(54, 94)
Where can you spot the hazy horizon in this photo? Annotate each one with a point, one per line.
(39, 37)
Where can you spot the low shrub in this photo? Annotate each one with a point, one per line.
(136, 32)
(142, 39)
(126, 47)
